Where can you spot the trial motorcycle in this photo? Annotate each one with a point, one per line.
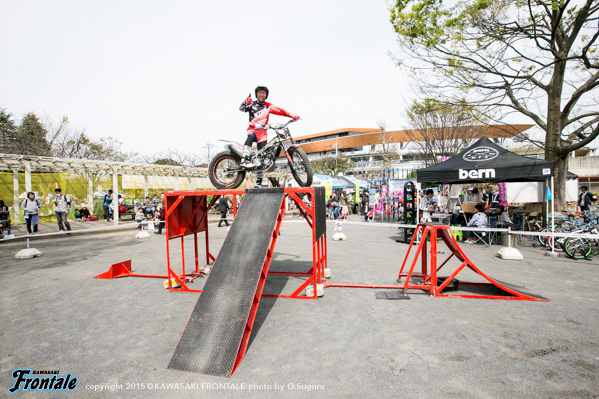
(226, 171)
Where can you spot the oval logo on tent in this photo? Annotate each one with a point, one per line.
(481, 154)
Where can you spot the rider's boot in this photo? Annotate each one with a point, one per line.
(259, 177)
(246, 161)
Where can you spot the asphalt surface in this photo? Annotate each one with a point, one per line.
(117, 336)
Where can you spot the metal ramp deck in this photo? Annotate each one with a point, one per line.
(217, 332)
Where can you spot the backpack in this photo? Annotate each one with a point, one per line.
(458, 234)
(122, 208)
(39, 204)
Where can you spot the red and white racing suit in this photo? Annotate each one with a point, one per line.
(259, 114)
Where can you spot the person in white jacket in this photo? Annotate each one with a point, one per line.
(62, 204)
(479, 219)
(31, 206)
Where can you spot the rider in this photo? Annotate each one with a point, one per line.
(259, 111)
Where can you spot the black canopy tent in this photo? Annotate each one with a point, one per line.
(486, 162)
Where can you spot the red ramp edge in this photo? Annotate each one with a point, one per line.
(429, 261)
(121, 269)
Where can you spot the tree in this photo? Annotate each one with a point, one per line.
(330, 165)
(8, 131)
(443, 129)
(166, 161)
(69, 142)
(531, 57)
(388, 150)
(29, 138)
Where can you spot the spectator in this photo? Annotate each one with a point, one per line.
(334, 206)
(106, 204)
(494, 198)
(306, 200)
(479, 219)
(503, 217)
(223, 208)
(62, 204)
(111, 211)
(31, 206)
(84, 213)
(159, 218)
(365, 205)
(4, 218)
(427, 206)
(148, 206)
(584, 199)
(139, 217)
(342, 199)
(344, 212)
(155, 200)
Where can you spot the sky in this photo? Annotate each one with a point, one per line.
(160, 75)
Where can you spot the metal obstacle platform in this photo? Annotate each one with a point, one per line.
(429, 280)
(186, 214)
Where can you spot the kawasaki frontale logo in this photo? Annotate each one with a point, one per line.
(480, 154)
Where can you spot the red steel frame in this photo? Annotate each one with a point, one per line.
(429, 282)
(186, 214)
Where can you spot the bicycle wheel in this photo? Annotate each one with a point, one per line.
(556, 243)
(577, 247)
(543, 239)
(300, 167)
(224, 171)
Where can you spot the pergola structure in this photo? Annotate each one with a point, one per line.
(28, 164)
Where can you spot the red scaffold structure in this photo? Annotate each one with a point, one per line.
(186, 215)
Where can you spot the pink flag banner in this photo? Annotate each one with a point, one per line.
(502, 189)
(379, 206)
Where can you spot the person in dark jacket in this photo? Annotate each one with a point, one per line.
(223, 208)
(584, 199)
(159, 218)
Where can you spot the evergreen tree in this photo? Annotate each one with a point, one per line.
(8, 131)
(30, 138)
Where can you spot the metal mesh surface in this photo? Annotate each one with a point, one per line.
(213, 334)
(321, 213)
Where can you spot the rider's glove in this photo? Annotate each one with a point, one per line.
(295, 117)
(248, 100)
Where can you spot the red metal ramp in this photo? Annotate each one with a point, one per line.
(429, 281)
(217, 332)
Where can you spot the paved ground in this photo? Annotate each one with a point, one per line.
(118, 335)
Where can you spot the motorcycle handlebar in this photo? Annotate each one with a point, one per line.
(282, 126)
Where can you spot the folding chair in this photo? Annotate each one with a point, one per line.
(494, 236)
(481, 236)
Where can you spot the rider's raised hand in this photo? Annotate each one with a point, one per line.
(249, 99)
(295, 117)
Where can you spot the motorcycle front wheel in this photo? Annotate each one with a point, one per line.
(300, 166)
(224, 171)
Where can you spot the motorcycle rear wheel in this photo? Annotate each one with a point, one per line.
(220, 173)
